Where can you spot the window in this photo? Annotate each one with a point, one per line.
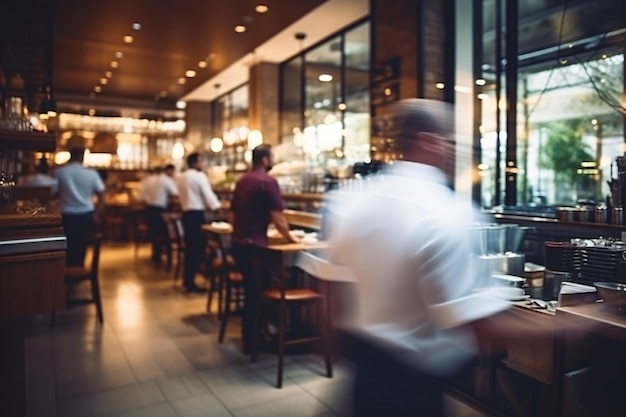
(569, 107)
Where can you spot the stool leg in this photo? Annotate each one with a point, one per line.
(95, 291)
(281, 342)
(324, 334)
(225, 313)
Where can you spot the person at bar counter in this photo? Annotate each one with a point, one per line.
(195, 195)
(417, 317)
(157, 191)
(256, 202)
(77, 185)
(38, 176)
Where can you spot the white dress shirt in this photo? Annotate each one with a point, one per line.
(405, 236)
(76, 187)
(195, 192)
(157, 189)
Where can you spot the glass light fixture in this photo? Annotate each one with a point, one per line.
(255, 138)
(178, 151)
(217, 144)
(240, 28)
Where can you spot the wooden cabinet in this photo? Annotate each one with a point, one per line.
(32, 258)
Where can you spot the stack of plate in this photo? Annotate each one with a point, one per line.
(604, 263)
(563, 256)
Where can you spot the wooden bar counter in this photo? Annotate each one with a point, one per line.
(32, 258)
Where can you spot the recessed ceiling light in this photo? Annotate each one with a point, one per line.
(240, 28)
(119, 54)
(182, 80)
(481, 81)
(261, 8)
(190, 73)
(114, 64)
(440, 86)
(108, 74)
(325, 78)
(181, 105)
(137, 26)
(97, 89)
(128, 39)
(202, 64)
(104, 81)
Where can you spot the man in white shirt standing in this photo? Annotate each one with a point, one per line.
(195, 196)
(76, 187)
(157, 190)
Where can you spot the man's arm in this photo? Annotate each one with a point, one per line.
(278, 218)
(210, 199)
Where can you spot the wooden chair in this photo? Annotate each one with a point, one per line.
(140, 232)
(175, 242)
(74, 275)
(284, 298)
(226, 281)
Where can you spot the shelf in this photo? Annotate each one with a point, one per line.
(27, 141)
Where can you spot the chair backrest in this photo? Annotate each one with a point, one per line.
(178, 228)
(172, 232)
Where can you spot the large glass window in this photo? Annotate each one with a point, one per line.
(325, 105)
(569, 109)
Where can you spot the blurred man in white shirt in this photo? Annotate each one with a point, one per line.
(157, 191)
(76, 187)
(196, 196)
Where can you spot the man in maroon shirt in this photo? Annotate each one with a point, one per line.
(256, 203)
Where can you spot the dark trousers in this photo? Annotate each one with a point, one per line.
(195, 241)
(385, 387)
(78, 232)
(157, 229)
(254, 274)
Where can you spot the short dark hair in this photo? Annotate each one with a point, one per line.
(193, 159)
(260, 152)
(169, 167)
(77, 153)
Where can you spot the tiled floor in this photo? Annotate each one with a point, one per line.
(157, 355)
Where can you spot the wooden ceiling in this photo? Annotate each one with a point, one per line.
(174, 37)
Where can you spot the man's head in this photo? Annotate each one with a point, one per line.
(169, 170)
(194, 161)
(77, 154)
(262, 157)
(423, 129)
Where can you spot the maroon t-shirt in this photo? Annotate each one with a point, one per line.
(256, 195)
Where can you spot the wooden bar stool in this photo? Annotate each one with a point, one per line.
(74, 275)
(284, 297)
